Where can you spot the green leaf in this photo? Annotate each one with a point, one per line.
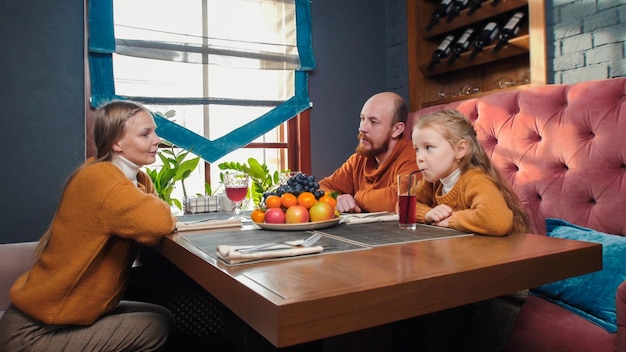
(174, 169)
(186, 168)
(276, 177)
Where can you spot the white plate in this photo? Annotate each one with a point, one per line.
(301, 226)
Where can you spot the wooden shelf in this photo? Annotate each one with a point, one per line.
(524, 55)
(472, 96)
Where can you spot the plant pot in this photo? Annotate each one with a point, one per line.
(202, 204)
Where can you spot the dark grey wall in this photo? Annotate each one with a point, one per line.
(349, 43)
(42, 107)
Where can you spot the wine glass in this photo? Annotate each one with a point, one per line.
(464, 90)
(236, 185)
(285, 176)
(506, 82)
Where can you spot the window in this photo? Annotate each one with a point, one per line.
(232, 71)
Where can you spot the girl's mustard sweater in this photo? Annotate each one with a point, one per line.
(101, 219)
(478, 204)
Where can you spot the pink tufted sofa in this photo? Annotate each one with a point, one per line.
(563, 150)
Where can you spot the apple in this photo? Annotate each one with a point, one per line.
(296, 214)
(321, 211)
(275, 216)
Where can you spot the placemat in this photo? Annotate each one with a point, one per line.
(386, 233)
(339, 238)
(208, 242)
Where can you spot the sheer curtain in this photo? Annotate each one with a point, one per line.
(229, 71)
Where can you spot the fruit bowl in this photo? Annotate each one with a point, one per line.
(300, 226)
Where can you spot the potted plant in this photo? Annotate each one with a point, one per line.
(175, 169)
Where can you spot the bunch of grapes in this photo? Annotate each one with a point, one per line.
(297, 184)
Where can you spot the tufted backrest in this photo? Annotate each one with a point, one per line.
(561, 147)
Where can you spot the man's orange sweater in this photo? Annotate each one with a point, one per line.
(373, 188)
(82, 273)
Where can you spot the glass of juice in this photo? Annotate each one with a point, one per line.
(406, 201)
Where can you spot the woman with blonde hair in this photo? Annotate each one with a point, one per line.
(70, 300)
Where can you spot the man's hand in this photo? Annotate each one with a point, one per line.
(346, 204)
(438, 214)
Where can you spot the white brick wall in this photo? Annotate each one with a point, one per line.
(585, 41)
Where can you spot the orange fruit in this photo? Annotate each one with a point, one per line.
(307, 199)
(273, 201)
(258, 215)
(288, 200)
(329, 199)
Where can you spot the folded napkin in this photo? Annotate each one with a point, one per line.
(230, 254)
(364, 218)
(207, 224)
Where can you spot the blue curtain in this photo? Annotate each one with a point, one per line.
(101, 49)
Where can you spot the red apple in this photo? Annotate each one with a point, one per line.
(321, 211)
(275, 216)
(296, 214)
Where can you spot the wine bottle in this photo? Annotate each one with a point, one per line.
(441, 52)
(509, 30)
(473, 6)
(486, 36)
(440, 12)
(461, 45)
(457, 6)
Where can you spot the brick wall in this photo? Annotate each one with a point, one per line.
(397, 53)
(585, 41)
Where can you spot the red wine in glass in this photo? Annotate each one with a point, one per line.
(236, 186)
(236, 194)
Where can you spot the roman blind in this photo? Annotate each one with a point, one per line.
(242, 64)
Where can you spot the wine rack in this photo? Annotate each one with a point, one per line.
(523, 59)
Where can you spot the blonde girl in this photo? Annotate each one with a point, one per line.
(461, 188)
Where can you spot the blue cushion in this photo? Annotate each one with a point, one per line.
(591, 296)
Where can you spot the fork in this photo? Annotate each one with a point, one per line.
(306, 243)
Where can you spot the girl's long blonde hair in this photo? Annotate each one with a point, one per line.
(108, 128)
(455, 127)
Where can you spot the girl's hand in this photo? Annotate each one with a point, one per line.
(438, 214)
(443, 223)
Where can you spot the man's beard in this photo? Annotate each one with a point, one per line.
(371, 151)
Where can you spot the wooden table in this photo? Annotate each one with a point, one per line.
(309, 298)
